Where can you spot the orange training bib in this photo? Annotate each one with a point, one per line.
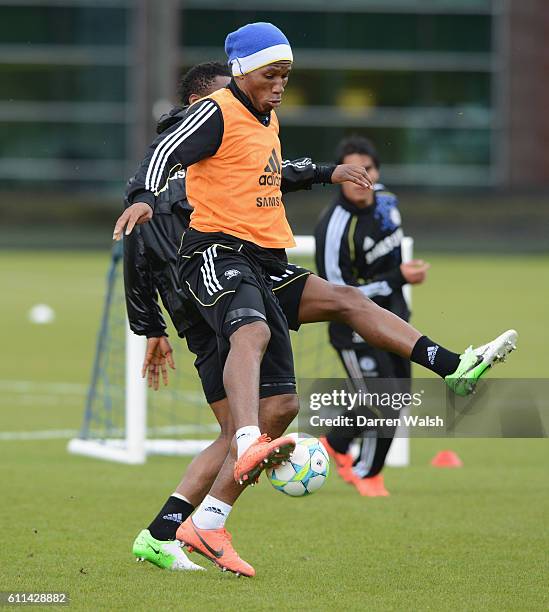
(237, 191)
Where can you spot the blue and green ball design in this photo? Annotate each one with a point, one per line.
(305, 472)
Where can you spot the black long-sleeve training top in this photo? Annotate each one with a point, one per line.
(361, 247)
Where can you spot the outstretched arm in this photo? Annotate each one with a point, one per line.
(302, 173)
(144, 314)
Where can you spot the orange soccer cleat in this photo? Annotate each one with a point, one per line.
(344, 461)
(370, 487)
(215, 545)
(263, 453)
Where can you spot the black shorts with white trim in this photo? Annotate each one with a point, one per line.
(288, 288)
(231, 288)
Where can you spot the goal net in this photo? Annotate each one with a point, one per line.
(124, 421)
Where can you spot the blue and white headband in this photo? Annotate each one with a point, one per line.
(256, 45)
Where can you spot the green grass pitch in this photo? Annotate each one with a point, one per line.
(467, 539)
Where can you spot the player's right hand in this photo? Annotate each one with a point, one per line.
(415, 271)
(136, 214)
(158, 353)
(352, 173)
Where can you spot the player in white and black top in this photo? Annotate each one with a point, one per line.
(358, 243)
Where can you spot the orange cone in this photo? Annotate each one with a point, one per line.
(446, 459)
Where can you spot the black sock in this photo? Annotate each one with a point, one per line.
(173, 513)
(434, 357)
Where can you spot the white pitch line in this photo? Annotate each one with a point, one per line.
(48, 434)
(41, 400)
(37, 388)
(47, 388)
(35, 392)
(66, 434)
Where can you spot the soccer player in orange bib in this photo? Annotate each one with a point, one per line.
(238, 231)
(237, 239)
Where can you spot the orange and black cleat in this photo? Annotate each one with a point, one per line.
(263, 453)
(344, 461)
(215, 545)
(370, 487)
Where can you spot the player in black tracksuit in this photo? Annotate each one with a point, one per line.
(358, 243)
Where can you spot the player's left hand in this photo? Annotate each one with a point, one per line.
(136, 214)
(352, 173)
(414, 271)
(158, 353)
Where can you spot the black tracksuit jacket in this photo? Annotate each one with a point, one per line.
(361, 247)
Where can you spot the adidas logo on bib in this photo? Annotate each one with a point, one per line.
(272, 171)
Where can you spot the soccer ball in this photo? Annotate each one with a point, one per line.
(306, 470)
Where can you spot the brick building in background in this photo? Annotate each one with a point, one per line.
(454, 93)
(527, 126)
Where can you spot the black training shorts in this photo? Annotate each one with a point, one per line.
(288, 288)
(231, 288)
(202, 341)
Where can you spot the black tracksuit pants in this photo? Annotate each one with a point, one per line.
(370, 369)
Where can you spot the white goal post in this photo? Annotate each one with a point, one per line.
(135, 445)
(399, 453)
